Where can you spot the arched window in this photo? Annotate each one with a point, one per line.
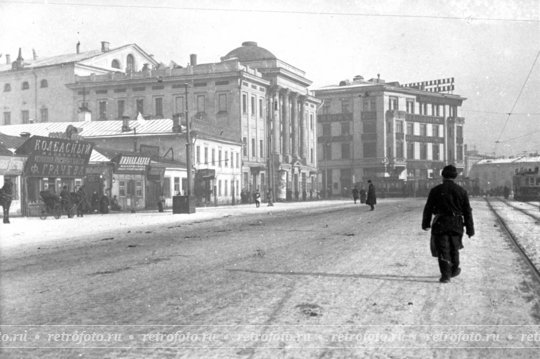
(130, 63)
(115, 64)
(25, 85)
(7, 87)
(44, 84)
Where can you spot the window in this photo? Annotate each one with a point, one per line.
(226, 158)
(326, 130)
(345, 151)
(44, 114)
(44, 84)
(459, 132)
(7, 118)
(311, 121)
(122, 188)
(130, 63)
(179, 104)
(244, 103)
(158, 101)
(115, 64)
(423, 151)
(102, 108)
(222, 102)
(25, 116)
(25, 85)
(311, 155)
(213, 157)
(410, 106)
(200, 103)
(244, 146)
(393, 103)
(253, 148)
(435, 130)
(140, 106)
(220, 164)
(399, 126)
(453, 111)
(121, 107)
(399, 149)
(423, 129)
(261, 148)
(198, 154)
(459, 152)
(435, 152)
(370, 149)
(237, 160)
(253, 109)
(345, 128)
(232, 159)
(410, 128)
(7, 87)
(219, 188)
(410, 150)
(327, 151)
(370, 127)
(176, 184)
(225, 188)
(138, 189)
(261, 112)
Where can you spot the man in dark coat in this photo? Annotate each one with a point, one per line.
(81, 201)
(371, 196)
(6, 195)
(450, 204)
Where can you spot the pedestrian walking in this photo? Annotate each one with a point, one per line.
(449, 203)
(81, 201)
(362, 195)
(371, 200)
(355, 194)
(257, 198)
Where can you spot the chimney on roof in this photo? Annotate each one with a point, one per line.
(18, 64)
(176, 127)
(104, 46)
(78, 47)
(193, 59)
(34, 54)
(8, 59)
(125, 124)
(358, 78)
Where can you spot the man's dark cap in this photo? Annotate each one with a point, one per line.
(449, 172)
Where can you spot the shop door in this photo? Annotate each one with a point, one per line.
(153, 191)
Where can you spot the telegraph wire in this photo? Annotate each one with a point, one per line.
(297, 12)
(518, 97)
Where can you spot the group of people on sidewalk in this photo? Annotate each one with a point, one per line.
(369, 197)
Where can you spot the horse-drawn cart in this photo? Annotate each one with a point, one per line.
(55, 206)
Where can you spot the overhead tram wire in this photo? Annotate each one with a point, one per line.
(517, 98)
(297, 12)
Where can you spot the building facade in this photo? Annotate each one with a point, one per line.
(384, 131)
(249, 97)
(496, 173)
(35, 90)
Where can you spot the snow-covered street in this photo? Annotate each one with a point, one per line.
(325, 279)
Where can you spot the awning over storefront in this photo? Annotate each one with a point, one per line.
(55, 157)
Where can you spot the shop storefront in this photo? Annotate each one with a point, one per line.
(129, 180)
(52, 163)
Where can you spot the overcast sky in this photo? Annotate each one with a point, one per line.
(488, 46)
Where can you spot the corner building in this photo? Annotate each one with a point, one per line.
(388, 133)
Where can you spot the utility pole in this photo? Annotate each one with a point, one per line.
(188, 153)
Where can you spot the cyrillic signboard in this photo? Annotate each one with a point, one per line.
(55, 157)
(132, 164)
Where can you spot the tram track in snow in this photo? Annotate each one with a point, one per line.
(526, 244)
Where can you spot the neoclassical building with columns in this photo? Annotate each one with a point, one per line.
(250, 97)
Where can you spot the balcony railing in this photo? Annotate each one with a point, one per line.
(335, 117)
(424, 118)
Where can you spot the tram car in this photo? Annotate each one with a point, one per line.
(526, 185)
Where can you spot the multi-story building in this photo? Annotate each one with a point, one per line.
(373, 130)
(249, 96)
(35, 90)
(494, 173)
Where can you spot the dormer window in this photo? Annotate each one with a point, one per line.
(7, 87)
(25, 85)
(44, 84)
(115, 64)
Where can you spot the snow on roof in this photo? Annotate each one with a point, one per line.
(97, 156)
(93, 128)
(521, 159)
